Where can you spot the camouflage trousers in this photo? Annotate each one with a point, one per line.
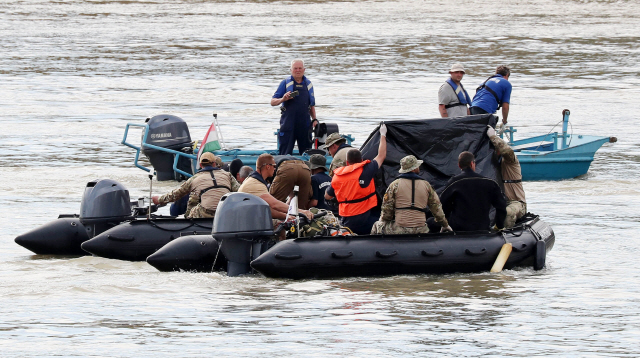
(199, 212)
(515, 210)
(390, 227)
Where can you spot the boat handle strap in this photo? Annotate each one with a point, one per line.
(341, 256)
(384, 256)
(287, 257)
(475, 252)
(124, 238)
(520, 248)
(432, 253)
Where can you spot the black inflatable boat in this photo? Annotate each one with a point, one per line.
(105, 204)
(242, 235)
(375, 255)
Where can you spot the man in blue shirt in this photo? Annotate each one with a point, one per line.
(298, 112)
(494, 93)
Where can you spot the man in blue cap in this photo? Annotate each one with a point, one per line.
(298, 112)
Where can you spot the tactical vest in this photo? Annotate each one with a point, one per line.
(412, 199)
(210, 186)
(484, 85)
(463, 96)
(352, 198)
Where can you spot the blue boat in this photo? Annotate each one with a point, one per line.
(556, 156)
(553, 156)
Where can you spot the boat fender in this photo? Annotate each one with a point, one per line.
(475, 251)
(431, 253)
(124, 238)
(341, 256)
(287, 257)
(385, 256)
(540, 255)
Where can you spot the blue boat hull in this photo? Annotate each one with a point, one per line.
(566, 163)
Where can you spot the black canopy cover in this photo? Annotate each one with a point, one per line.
(437, 142)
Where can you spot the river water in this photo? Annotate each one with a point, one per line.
(73, 73)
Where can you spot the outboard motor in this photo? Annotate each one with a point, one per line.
(321, 131)
(168, 132)
(105, 204)
(243, 228)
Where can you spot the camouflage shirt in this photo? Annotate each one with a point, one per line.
(187, 188)
(510, 169)
(388, 208)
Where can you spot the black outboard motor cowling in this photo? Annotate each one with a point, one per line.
(321, 131)
(242, 226)
(168, 132)
(105, 203)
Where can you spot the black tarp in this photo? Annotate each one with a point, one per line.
(437, 142)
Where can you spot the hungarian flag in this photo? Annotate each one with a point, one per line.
(210, 142)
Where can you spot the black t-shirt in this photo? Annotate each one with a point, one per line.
(319, 183)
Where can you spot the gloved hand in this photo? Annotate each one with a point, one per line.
(446, 229)
(490, 131)
(500, 128)
(383, 130)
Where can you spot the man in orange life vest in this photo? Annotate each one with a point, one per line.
(353, 186)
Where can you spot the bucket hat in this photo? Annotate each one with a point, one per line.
(408, 164)
(457, 67)
(332, 139)
(317, 161)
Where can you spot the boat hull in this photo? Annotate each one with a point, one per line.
(566, 163)
(136, 240)
(59, 237)
(193, 253)
(385, 255)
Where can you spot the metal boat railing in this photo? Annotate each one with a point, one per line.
(151, 146)
(249, 156)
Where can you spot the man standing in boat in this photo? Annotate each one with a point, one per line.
(406, 202)
(453, 99)
(354, 188)
(493, 94)
(297, 102)
(205, 189)
(468, 197)
(511, 177)
(337, 146)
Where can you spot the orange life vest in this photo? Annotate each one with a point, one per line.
(353, 199)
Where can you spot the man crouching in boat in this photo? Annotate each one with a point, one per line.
(512, 179)
(205, 189)
(355, 190)
(405, 203)
(256, 184)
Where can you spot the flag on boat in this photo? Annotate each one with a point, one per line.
(210, 142)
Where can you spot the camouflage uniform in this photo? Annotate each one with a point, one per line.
(194, 208)
(512, 178)
(387, 224)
